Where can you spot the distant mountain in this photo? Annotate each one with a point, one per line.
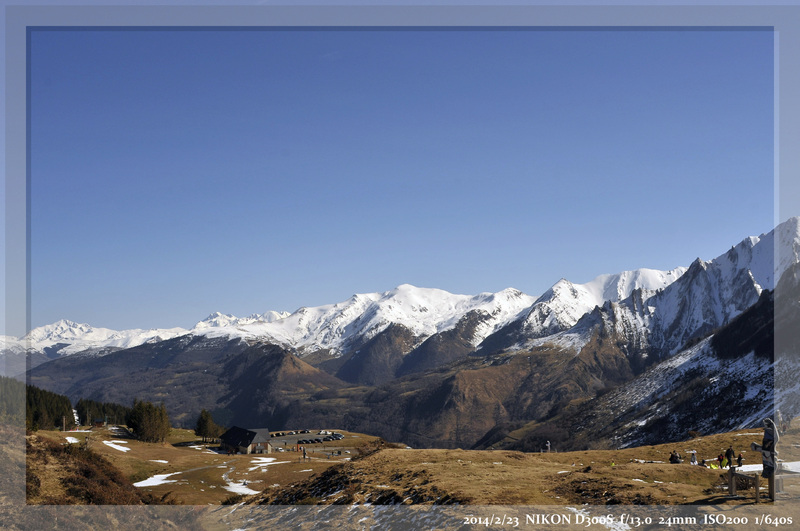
(436, 369)
(656, 323)
(65, 338)
(221, 320)
(724, 382)
(341, 329)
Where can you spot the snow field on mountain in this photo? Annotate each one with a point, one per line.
(658, 381)
(81, 337)
(614, 288)
(571, 341)
(662, 379)
(424, 311)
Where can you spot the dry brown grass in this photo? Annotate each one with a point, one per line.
(201, 475)
(635, 476)
(403, 476)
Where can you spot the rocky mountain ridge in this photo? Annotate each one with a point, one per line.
(656, 351)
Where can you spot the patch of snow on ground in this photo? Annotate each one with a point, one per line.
(72, 440)
(794, 466)
(159, 461)
(158, 479)
(309, 470)
(239, 488)
(120, 442)
(116, 446)
(261, 462)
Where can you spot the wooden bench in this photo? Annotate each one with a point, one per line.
(774, 483)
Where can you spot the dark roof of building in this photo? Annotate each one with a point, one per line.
(237, 436)
(262, 435)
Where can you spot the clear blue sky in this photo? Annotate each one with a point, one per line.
(178, 173)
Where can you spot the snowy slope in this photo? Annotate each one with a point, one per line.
(560, 307)
(663, 319)
(66, 337)
(220, 320)
(424, 311)
(713, 293)
(648, 398)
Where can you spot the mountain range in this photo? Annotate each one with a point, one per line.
(437, 369)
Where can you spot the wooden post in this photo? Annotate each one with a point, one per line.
(731, 482)
(772, 486)
(757, 481)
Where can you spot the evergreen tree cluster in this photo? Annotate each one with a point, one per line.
(89, 410)
(150, 423)
(47, 410)
(207, 428)
(12, 400)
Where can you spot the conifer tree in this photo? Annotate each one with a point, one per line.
(148, 422)
(47, 410)
(206, 427)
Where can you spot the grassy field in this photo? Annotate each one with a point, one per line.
(634, 476)
(193, 473)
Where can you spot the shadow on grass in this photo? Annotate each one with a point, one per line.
(723, 499)
(184, 444)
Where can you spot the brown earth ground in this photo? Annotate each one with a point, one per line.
(470, 485)
(635, 476)
(200, 474)
(387, 474)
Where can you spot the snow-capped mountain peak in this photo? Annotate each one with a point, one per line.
(667, 307)
(560, 307)
(67, 337)
(424, 311)
(690, 303)
(219, 320)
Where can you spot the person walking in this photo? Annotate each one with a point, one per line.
(730, 455)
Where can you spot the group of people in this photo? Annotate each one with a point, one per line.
(727, 458)
(724, 460)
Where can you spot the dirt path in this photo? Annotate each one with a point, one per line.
(210, 466)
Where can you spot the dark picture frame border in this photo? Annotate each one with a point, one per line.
(783, 20)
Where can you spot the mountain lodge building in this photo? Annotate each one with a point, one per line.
(240, 440)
